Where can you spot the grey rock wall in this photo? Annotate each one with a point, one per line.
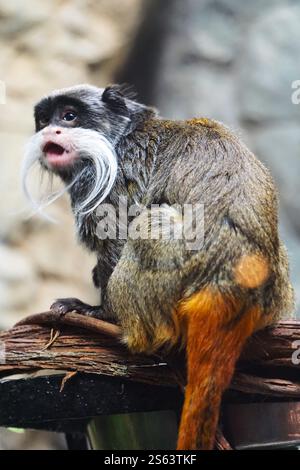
(46, 45)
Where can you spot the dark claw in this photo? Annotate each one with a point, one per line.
(63, 306)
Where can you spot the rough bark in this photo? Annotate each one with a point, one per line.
(77, 343)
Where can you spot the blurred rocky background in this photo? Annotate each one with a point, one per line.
(231, 60)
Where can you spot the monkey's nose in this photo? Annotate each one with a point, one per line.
(49, 130)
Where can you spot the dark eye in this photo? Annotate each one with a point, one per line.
(44, 121)
(69, 116)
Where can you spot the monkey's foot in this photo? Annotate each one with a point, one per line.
(63, 306)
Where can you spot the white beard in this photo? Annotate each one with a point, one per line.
(89, 145)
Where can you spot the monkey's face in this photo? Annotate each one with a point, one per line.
(77, 130)
(66, 119)
(58, 152)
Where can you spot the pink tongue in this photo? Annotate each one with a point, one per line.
(54, 149)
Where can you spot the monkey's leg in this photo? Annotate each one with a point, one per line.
(217, 328)
(146, 283)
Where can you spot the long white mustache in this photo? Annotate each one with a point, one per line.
(89, 145)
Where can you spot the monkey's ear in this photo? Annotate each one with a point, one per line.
(115, 100)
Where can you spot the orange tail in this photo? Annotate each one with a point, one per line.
(217, 328)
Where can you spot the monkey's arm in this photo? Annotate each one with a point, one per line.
(70, 304)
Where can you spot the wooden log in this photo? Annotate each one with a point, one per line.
(274, 346)
(26, 348)
(77, 343)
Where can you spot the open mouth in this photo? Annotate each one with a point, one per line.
(53, 149)
(57, 155)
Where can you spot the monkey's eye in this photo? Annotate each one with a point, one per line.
(69, 116)
(44, 121)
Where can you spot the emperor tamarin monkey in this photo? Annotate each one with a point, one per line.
(162, 291)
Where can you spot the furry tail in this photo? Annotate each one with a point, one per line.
(217, 328)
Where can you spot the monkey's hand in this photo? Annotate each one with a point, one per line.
(63, 306)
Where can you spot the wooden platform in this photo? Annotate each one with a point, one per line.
(57, 376)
